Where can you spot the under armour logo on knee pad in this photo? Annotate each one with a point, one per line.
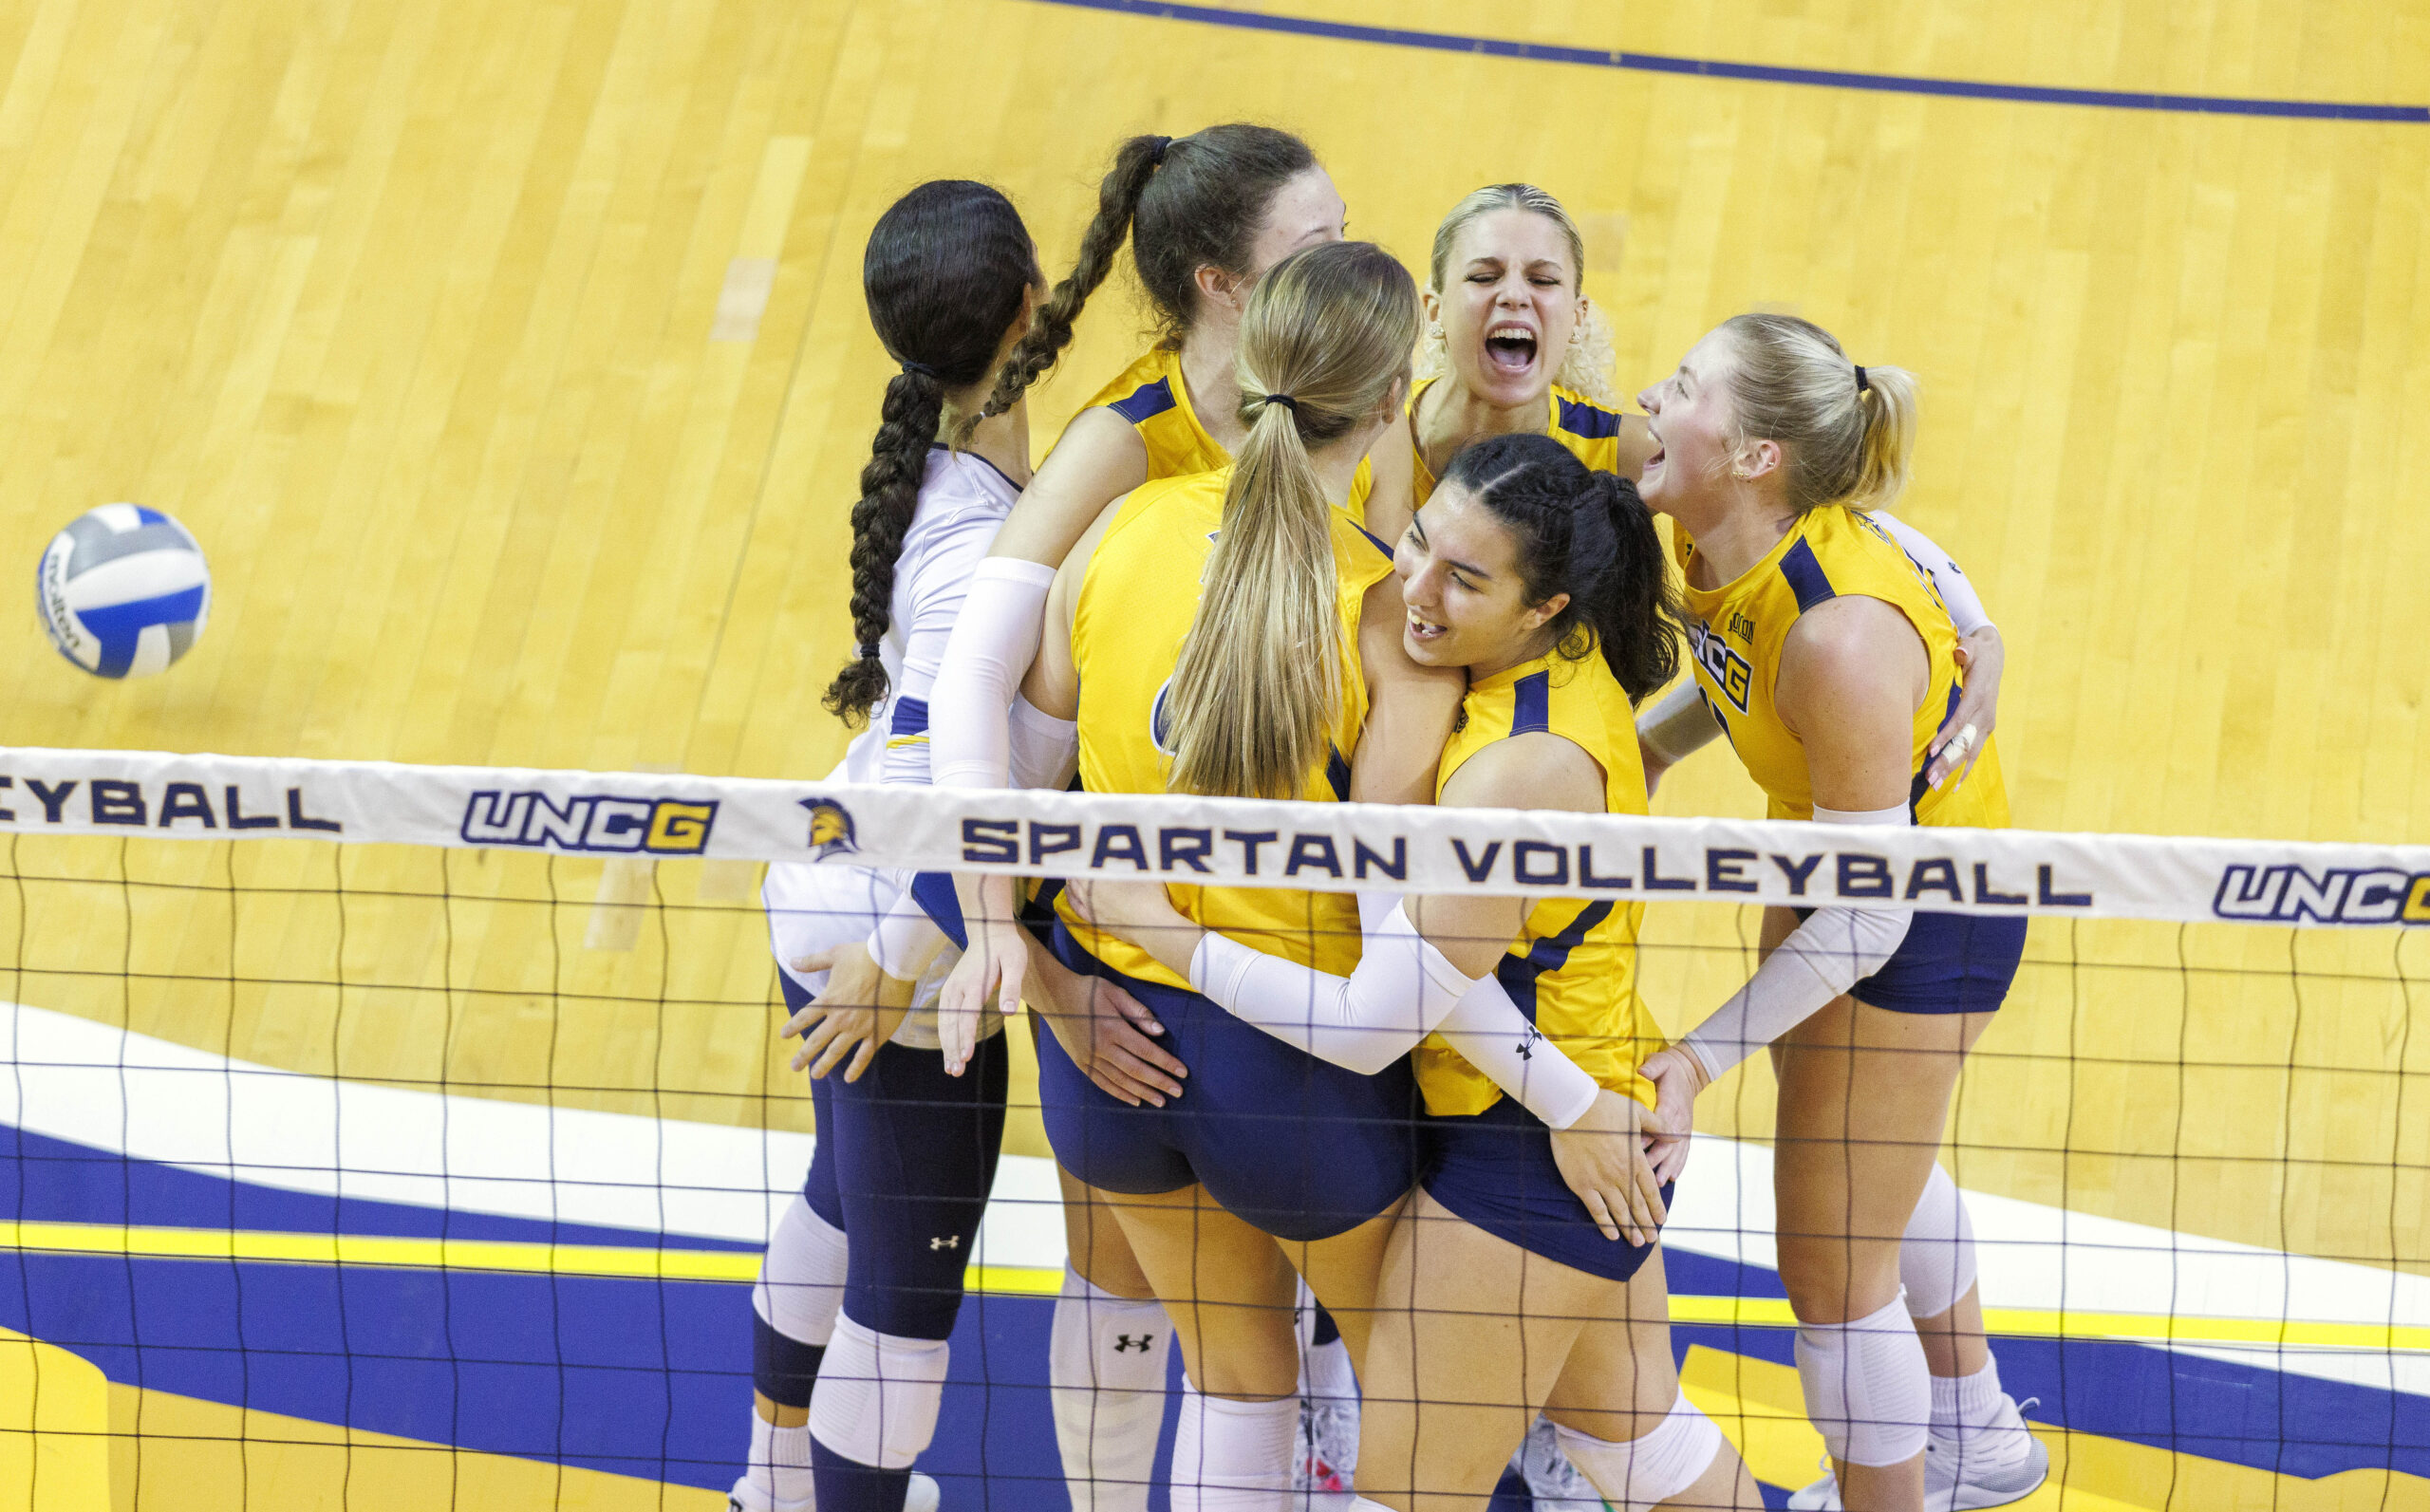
(1134, 1341)
(949, 1242)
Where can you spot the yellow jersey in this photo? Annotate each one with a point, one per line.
(1591, 431)
(1735, 633)
(1137, 599)
(1573, 968)
(1151, 394)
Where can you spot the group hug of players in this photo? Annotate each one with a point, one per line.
(1339, 537)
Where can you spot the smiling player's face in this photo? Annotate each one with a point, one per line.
(1509, 307)
(1461, 587)
(1695, 434)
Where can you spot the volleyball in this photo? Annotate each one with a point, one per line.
(123, 590)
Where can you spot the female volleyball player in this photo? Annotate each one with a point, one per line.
(1514, 347)
(1288, 661)
(1503, 1292)
(1205, 215)
(904, 1154)
(1831, 660)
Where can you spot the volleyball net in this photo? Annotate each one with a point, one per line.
(425, 1123)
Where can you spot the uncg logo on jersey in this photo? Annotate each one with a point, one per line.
(660, 826)
(1732, 673)
(1160, 722)
(830, 828)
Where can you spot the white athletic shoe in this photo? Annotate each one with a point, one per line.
(923, 1495)
(1956, 1480)
(1326, 1454)
(1551, 1479)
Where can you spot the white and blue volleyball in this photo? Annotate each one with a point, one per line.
(123, 590)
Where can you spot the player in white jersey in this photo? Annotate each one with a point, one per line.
(863, 1278)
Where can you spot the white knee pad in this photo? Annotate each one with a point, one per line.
(1866, 1385)
(1106, 1372)
(801, 1278)
(1648, 1471)
(1232, 1456)
(877, 1395)
(1936, 1253)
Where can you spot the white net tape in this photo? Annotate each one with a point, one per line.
(1232, 841)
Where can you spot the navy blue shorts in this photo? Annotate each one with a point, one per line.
(1300, 1148)
(904, 1159)
(1948, 964)
(1495, 1170)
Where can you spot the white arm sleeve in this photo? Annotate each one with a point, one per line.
(936, 586)
(905, 941)
(1956, 590)
(993, 639)
(1678, 724)
(1833, 950)
(1403, 990)
(1045, 750)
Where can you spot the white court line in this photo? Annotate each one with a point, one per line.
(156, 1100)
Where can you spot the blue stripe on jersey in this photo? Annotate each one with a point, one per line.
(1337, 773)
(910, 716)
(1592, 421)
(1806, 577)
(1145, 402)
(1531, 703)
(1380, 543)
(1518, 974)
(933, 891)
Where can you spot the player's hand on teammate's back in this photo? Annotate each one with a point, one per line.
(1960, 745)
(1143, 914)
(1602, 1158)
(859, 1010)
(1108, 1033)
(1677, 1077)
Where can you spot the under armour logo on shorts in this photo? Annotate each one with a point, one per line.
(949, 1242)
(1128, 1341)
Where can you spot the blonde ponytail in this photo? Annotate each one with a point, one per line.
(1845, 432)
(1259, 681)
(1889, 442)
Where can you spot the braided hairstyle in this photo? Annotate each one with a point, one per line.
(1182, 203)
(1585, 534)
(946, 273)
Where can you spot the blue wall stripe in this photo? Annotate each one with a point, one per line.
(1760, 73)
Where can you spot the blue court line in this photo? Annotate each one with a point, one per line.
(1758, 73)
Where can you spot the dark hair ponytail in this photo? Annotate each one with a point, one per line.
(1182, 203)
(1134, 164)
(1587, 534)
(946, 273)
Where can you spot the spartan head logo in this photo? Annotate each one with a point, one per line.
(830, 828)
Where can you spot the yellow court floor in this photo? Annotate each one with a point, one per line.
(507, 357)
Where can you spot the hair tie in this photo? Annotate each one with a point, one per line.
(868, 651)
(923, 369)
(1863, 384)
(1156, 153)
(1285, 401)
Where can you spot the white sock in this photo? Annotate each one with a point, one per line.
(1106, 1372)
(1232, 1456)
(1328, 1373)
(1976, 1411)
(780, 1464)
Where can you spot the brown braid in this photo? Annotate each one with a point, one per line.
(1134, 164)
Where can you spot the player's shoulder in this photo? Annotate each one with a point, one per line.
(1588, 420)
(1140, 392)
